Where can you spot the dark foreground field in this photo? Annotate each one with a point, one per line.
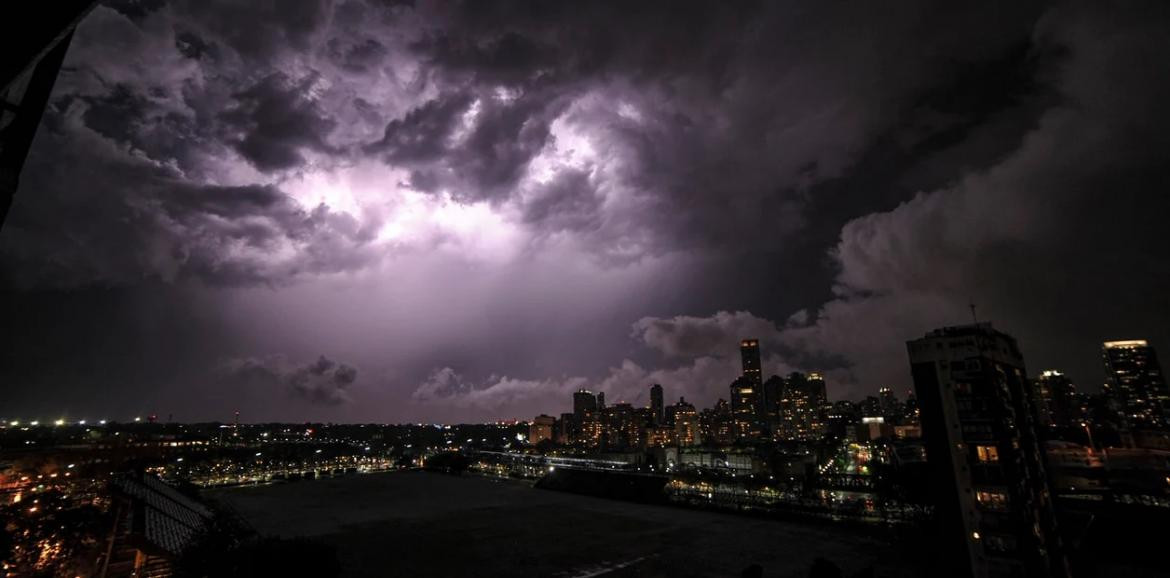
(421, 524)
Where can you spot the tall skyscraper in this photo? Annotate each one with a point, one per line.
(601, 401)
(584, 403)
(978, 418)
(802, 407)
(1059, 399)
(773, 391)
(718, 424)
(656, 406)
(1134, 379)
(749, 350)
(818, 397)
(686, 424)
(889, 404)
(745, 407)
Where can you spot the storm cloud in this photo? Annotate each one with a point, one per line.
(485, 205)
(323, 381)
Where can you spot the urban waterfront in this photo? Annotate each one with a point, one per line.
(524, 288)
(415, 523)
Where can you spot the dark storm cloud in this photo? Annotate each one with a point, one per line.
(503, 133)
(1060, 243)
(165, 227)
(686, 336)
(505, 139)
(741, 107)
(272, 121)
(359, 57)
(192, 46)
(258, 30)
(324, 381)
(852, 175)
(421, 135)
(711, 125)
(510, 58)
(135, 9)
(569, 203)
(1053, 163)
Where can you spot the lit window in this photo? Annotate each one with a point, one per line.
(991, 500)
(987, 453)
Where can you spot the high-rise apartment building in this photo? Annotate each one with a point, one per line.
(803, 407)
(541, 429)
(1134, 379)
(1059, 406)
(657, 409)
(749, 350)
(745, 406)
(584, 402)
(978, 417)
(686, 425)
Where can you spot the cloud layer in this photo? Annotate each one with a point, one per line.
(586, 194)
(324, 381)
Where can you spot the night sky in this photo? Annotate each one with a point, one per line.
(393, 211)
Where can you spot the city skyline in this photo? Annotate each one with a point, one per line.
(1054, 389)
(498, 288)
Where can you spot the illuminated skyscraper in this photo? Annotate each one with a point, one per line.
(889, 404)
(686, 425)
(819, 405)
(802, 407)
(1134, 379)
(717, 424)
(620, 428)
(978, 417)
(745, 407)
(749, 350)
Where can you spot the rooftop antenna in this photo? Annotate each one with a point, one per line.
(974, 318)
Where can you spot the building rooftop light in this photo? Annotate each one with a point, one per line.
(1129, 344)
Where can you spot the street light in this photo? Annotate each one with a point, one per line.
(1090, 434)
